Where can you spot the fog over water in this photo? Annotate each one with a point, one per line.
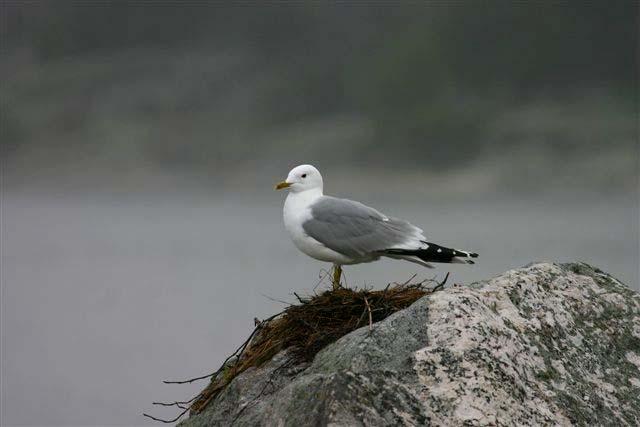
(105, 295)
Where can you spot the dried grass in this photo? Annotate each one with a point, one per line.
(306, 328)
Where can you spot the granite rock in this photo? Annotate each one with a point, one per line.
(546, 344)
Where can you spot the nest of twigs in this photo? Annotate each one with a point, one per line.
(306, 328)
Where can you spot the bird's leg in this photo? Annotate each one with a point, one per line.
(337, 273)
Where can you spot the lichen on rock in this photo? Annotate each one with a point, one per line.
(547, 344)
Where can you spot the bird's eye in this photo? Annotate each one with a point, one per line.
(304, 175)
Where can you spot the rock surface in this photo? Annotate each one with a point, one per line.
(546, 344)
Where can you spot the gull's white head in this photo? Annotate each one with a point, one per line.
(302, 178)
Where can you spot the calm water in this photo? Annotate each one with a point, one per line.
(103, 296)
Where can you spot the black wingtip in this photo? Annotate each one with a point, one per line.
(436, 253)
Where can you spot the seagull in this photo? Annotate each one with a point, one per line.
(346, 232)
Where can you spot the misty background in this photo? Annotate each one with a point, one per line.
(141, 141)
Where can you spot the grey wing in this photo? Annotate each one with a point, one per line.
(356, 230)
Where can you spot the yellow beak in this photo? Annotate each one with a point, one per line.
(283, 184)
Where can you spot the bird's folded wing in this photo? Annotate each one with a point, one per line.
(356, 230)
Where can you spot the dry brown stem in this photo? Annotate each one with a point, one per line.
(306, 328)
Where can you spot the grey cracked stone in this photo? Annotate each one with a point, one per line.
(546, 344)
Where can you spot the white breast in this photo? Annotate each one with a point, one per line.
(297, 210)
